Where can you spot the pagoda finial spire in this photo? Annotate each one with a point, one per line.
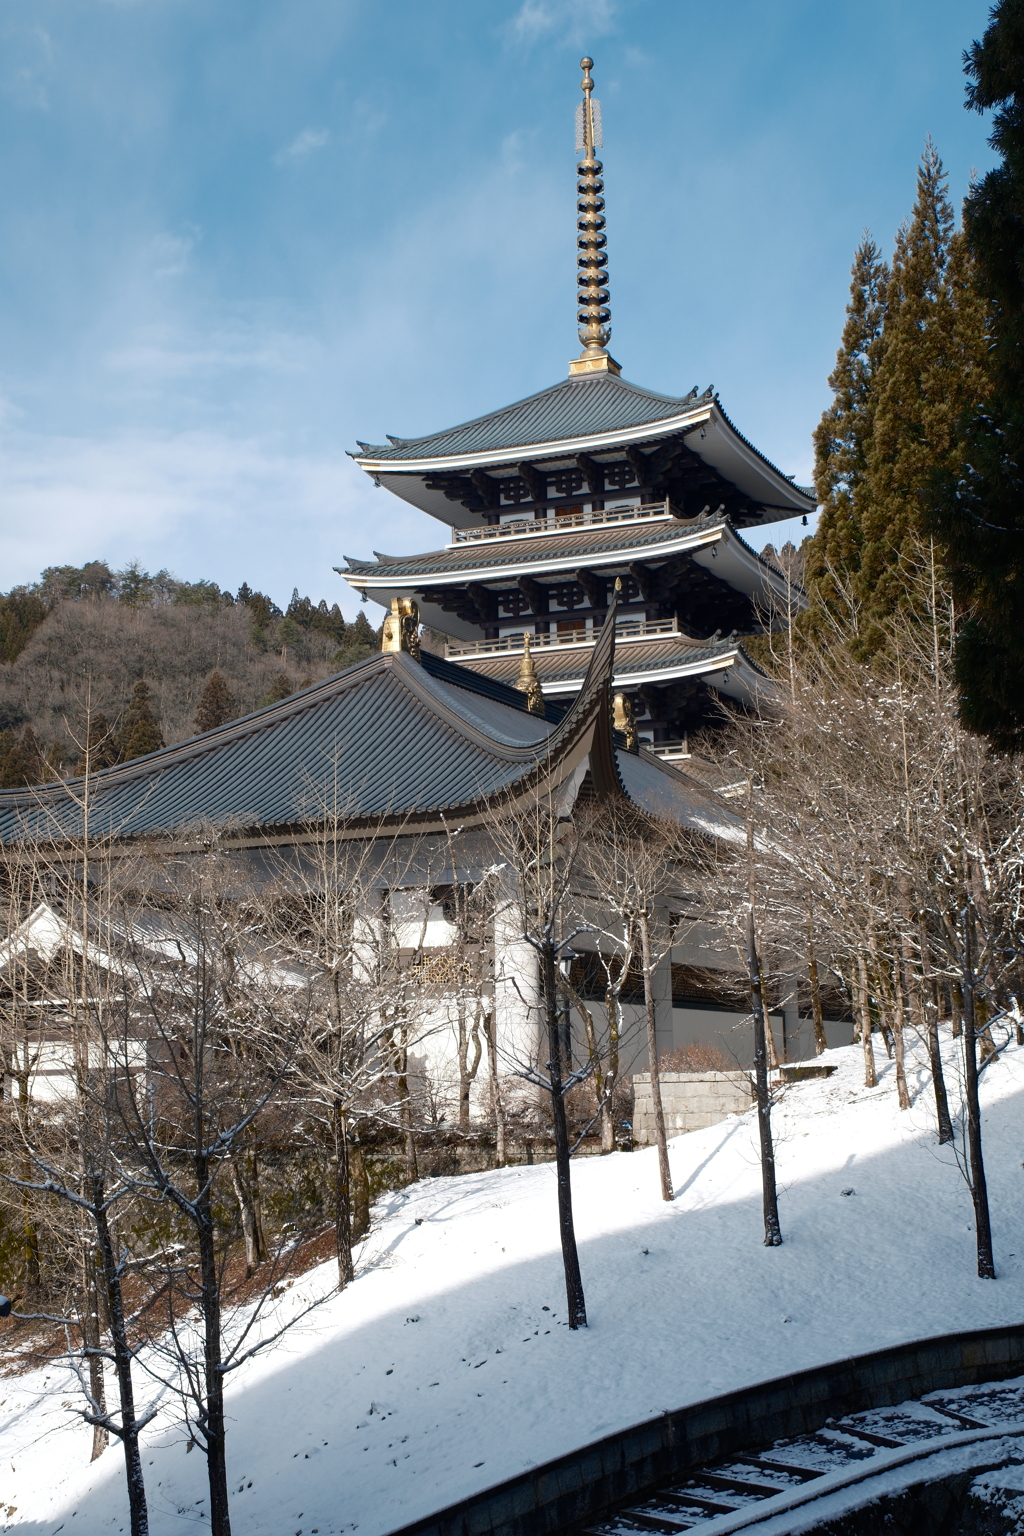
(592, 262)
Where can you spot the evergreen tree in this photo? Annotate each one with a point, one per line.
(358, 642)
(103, 747)
(978, 508)
(21, 761)
(216, 706)
(21, 613)
(140, 732)
(36, 766)
(930, 369)
(281, 688)
(360, 631)
(843, 435)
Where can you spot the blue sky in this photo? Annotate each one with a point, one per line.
(240, 234)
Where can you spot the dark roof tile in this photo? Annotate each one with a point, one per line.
(570, 408)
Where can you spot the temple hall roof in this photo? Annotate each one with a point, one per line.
(389, 742)
(598, 416)
(561, 667)
(569, 409)
(491, 559)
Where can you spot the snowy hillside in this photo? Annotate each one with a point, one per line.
(447, 1367)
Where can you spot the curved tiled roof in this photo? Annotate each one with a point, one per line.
(470, 561)
(385, 741)
(570, 408)
(567, 664)
(386, 737)
(470, 558)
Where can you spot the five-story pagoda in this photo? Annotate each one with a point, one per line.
(594, 480)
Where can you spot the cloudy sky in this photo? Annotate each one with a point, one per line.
(240, 234)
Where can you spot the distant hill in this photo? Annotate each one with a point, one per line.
(75, 644)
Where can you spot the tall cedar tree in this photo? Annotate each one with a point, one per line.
(21, 761)
(977, 511)
(930, 370)
(140, 733)
(843, 435)
(216, 706)
(21, 613)
(281, 688)
(103, 747)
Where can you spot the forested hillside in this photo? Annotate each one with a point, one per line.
(77, 644)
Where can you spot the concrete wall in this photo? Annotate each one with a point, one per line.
(575, 1491)
(689, 1100)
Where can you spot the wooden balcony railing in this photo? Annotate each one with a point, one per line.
(561, 522)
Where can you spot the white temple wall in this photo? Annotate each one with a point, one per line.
(518, 1008)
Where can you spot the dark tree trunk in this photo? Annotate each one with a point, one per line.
(976, 1164)
(359, 1184)
(942, 1115)
(245, 1181)
(129, 1431)
(405, 1107)
(570, 1258)
(211, 1418)
(864, 1013)
(820, 1042)
(606, 1088)
(902, 1091)
(772, 1230)
(342, 1200)
(664, 1171)
(91, 1340)
(30, 1232)
(497, 1107)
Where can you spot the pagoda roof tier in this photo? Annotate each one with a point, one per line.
(653, 654)
(391, 743)
(599, 419)
(711, 543)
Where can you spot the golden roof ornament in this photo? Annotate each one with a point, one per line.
(624, 720)
(528, 682)
(592, 262)
(401, 628)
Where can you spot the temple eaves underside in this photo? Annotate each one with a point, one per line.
(698, 572)
(588, 439)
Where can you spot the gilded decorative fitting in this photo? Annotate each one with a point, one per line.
(592, 262)
(401, 628)
(528, 682)
(624, 720)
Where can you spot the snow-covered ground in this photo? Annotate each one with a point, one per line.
(448, 1366)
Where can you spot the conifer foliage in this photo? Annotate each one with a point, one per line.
(843, 435)
(216, 706)
(21, 760)
(911, 363)
(930, 370)
(281, 688)
(102, 747)
(140, 733)
(978, 508)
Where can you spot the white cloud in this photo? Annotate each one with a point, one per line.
(570, 19)
(170, 253)
(302, 145)
(203, 504)
(24, 81)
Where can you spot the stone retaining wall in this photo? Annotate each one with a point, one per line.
(690, 1101)
(565, 1496)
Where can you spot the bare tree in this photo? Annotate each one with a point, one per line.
(630, 862)
(539, 849)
